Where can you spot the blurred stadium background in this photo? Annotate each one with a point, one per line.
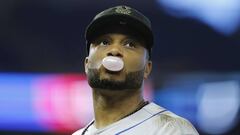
(196, 73)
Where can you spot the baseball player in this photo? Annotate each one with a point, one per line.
(119, 44)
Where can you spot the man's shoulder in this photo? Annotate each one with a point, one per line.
(160, 120)
(169, 120)
(173, 121)
(163, 114)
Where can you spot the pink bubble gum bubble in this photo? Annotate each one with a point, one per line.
(113, 63)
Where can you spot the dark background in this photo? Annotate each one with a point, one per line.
(48, 36)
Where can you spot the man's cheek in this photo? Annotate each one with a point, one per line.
(135, 65)
(92, 51)
(94, 62)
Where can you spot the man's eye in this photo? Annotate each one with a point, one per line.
(130, 45)
(103, 43)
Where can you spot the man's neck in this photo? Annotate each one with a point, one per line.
(111, 106)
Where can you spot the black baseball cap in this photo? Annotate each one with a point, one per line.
(120, 16)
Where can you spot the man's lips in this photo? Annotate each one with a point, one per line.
(111, 72)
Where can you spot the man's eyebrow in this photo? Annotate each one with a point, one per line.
(101, 37)
(135, 39)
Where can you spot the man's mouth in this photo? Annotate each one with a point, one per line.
(112, 72)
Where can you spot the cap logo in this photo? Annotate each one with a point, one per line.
(123, 10)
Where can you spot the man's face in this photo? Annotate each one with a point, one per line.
(130, 50)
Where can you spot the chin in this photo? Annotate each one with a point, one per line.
(111, 77)
(116, 76)
(115, 81)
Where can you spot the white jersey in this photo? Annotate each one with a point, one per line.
(150, 120)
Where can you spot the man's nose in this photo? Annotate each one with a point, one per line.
(115, 50)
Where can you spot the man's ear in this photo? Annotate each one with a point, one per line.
(86, 64)
(148, 69)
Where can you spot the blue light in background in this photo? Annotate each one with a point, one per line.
(178, 100)
(218, 106)
(222, 15)
(203, 98)
(16, 104)
(210, 101)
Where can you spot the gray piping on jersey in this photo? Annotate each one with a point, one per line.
(139, 123)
